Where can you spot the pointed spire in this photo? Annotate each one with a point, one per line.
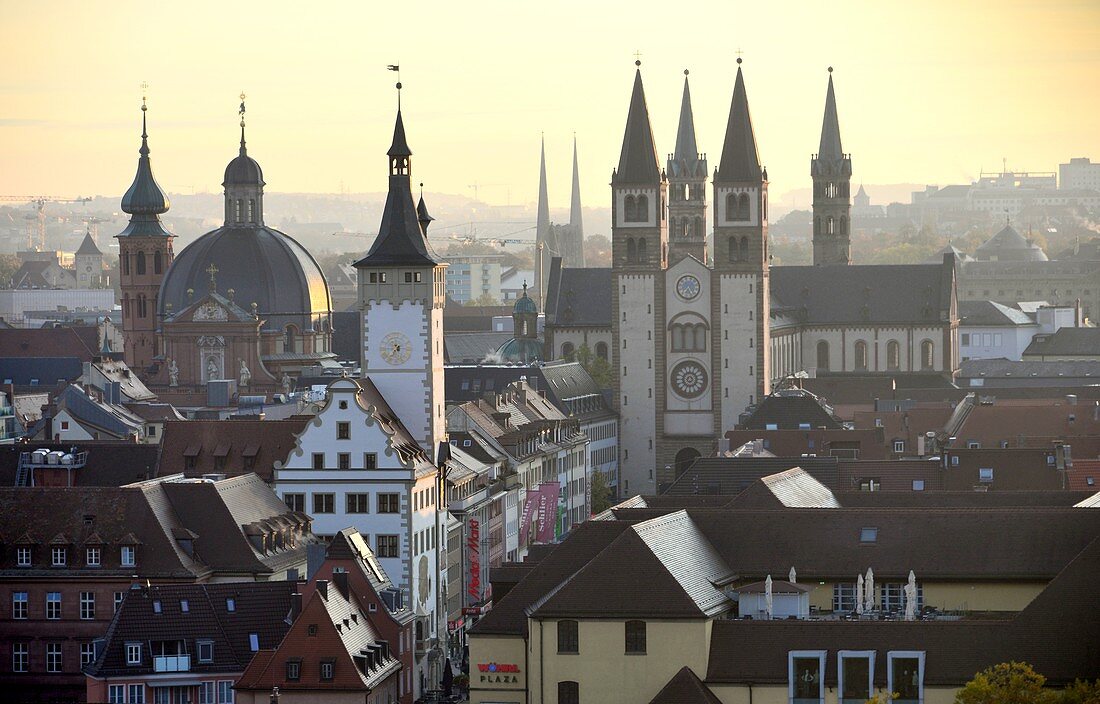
(830, 127)
(88, 245)
(422, 215)
(638, 160)
(740, 158)
(575, 202)
(244, 149)
(686, 148)
(145, 200)
(542, 221)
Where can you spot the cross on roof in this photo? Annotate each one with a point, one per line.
(212, 270)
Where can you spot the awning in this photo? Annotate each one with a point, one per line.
(192, 450)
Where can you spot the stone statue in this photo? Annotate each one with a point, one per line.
(211, 369)
(246, 376)
(286, 383)
(173, 373)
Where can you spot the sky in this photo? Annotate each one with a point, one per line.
(929, 92)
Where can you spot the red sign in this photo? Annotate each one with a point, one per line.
(497, 667)
(473, 547)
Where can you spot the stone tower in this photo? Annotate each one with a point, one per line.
(88, 263)
(741, 263)
(687, 180)
(831, 170)
(546, 245)
(145, 253)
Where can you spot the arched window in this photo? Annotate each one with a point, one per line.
(125, 260)
(158, 263)
(733, 249)
(569, 692)
(731, 206)
(630, 209)
(641, 214)
(843, 225)
(252, 210)
(125, 305)
(745, 249)
(237, 209)
(290, 336)
(677, 338)
(699, 227)
(567, 351)
(743, 207)
(927, 355)
(601, 350)
(140, 263)
(893, 355)
(861, 356)
(684, 459)
(765, 198)
(822, 355)
(642, 256)
(701, 337)
(830, 226)
(631, 250)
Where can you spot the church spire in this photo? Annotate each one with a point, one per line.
(145, 201)
(830, 127)
(638, 159)
(686, 148)
(422, 214)
(542, 222)
(740, 158)
(575, 201)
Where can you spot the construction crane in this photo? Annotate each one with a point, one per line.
(93, 226)
(36, 240)
(354, 234)
(476, 186)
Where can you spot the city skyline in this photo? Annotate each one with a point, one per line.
(948, 97)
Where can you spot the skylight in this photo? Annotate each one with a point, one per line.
(868, 535)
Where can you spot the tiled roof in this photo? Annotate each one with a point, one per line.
(892, 475)
(791, 409)
(1065, 342)
(578, 297)
(110, 464)
(730, 475)
(685, 688)
(1075, 368)
(991, 313)
(248, 446)
(60, 342)
(41, 370)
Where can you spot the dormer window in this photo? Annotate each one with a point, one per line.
(128, 555)
(23, 557)
(60, 556)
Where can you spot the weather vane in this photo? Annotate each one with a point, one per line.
(144, 90)
(397, 68)
(637, 58)
(241, 110)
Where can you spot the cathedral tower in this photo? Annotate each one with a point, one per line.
(546, 246)
(576, 223)
(831, 170)
(687, 180)
(402, 290)
(741, 264)
(145, 253)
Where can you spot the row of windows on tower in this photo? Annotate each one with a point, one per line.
(831, 189)
(893, 355)
(687, 191)
(687, 228)
(242, 207)
(636, 208)
(569, 350)
(140, 262)
(830, 225)
(138, 307)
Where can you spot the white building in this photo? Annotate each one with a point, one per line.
(471, 277)
(1079, 173)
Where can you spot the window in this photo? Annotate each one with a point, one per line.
(964, 339)
(59, 556)
(53, 657)
(87, 606)
(868, 535)
(328, 669)
(893, 355)
(92, 557)
(387, 545)
(324, 503)
(358, 503)
(141, 262)
(206, 651)
(861, 355)
(23, 557)
(295, 502)
(87, 653)
(225, 691)
(985, 474)
(635, 637)
(927, 355)
(855, 669)
(343, 430)
(905, 676)
(918, 485)
(53, 606)
(893, 596)
(293, 670)
(230, 604)
(128, 555)
(899, 446)
(137, 694)
(318, 460)
(844, 597)
(805, 670)
(388, 503)
(133, 653)
(206, 693)
(19, 605)
(156, 606)
(119, 596)
(568, 637)
(370, 460)
(343, 460)
(20, 657)
(870, 484)
(116, 694)
(254, 642)
(569, 693)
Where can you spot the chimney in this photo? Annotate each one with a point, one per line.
(340, 580)
(322, 588)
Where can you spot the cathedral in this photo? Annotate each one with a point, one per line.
(244, 302)
(702, 326)
(565, 241)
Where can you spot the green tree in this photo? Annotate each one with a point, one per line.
(9, 264)
(601, 493)
(483, 300)
(597, 367)
(1007, 683)
(1081, 692)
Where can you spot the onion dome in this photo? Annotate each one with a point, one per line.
(145, 201)
(524, 304)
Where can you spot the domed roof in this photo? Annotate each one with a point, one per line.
(243, 170)
(262, 265)
(521, 349)
(525, 304)
(145, 200)
(1009, 245)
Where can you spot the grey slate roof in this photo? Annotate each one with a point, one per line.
(1066, 341)
(45, 370)
(685, 687)
(790, 409)
(991, 313)
(830, 147)
(243, 169)
(731, 475)
(87, 245)
(895, 293)
(472, 347)
(145, 200)
(972, 368)
(638, 161)
(578, 297)
(1010, 245)
(740, 157)
(686, 147)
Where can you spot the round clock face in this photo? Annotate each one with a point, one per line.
(396, 348)
(689, 379)
(688, 287)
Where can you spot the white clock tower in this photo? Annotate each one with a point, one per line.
(402, 290)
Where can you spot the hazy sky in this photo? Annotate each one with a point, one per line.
(928, 92)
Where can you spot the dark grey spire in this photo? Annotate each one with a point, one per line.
(400, 146)
(740, 158)
(686, 148)
(145, 200)
(830, 127)
(638, 159)
(575, 202)
(88, 246)
(422, 215)
(542, 219)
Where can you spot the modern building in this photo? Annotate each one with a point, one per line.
(991, 330)
(1079, 174)
(471, 277)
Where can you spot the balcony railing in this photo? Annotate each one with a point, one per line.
(172, 663)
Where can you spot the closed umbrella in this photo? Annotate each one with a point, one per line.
(859, 594)
(911, 597)
(791, 576)
(869, 590)
(768, 596)
(448, 678)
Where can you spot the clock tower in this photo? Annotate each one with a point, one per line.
(402, 289)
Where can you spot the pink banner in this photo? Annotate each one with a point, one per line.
(525, 517)
(548, 512)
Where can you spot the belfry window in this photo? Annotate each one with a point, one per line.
(642, 257)
(141, 263)
(158, 262)
(237, 210)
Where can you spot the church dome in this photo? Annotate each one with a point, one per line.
(243, 171)
(524, 304)
(1010, 246)
(262, 266)
(521, 349)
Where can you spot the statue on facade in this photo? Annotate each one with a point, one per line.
(173, 373)
(286, 383)
(245, 375)
(211, 369)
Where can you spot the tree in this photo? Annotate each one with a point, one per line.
(484, 300)
(1007, 683)
(1081, 692)
(601, 493)
(597, 367)
(9, 264)
(597, 251)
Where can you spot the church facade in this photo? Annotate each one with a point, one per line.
(701, 325)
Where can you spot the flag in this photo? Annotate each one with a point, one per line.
(393, 67)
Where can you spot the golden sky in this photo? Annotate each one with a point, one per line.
(928, 92)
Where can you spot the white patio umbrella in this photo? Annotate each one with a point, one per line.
(768, 596)
(911, 597)
(791, 576)
(869, 589)
(859, 594)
